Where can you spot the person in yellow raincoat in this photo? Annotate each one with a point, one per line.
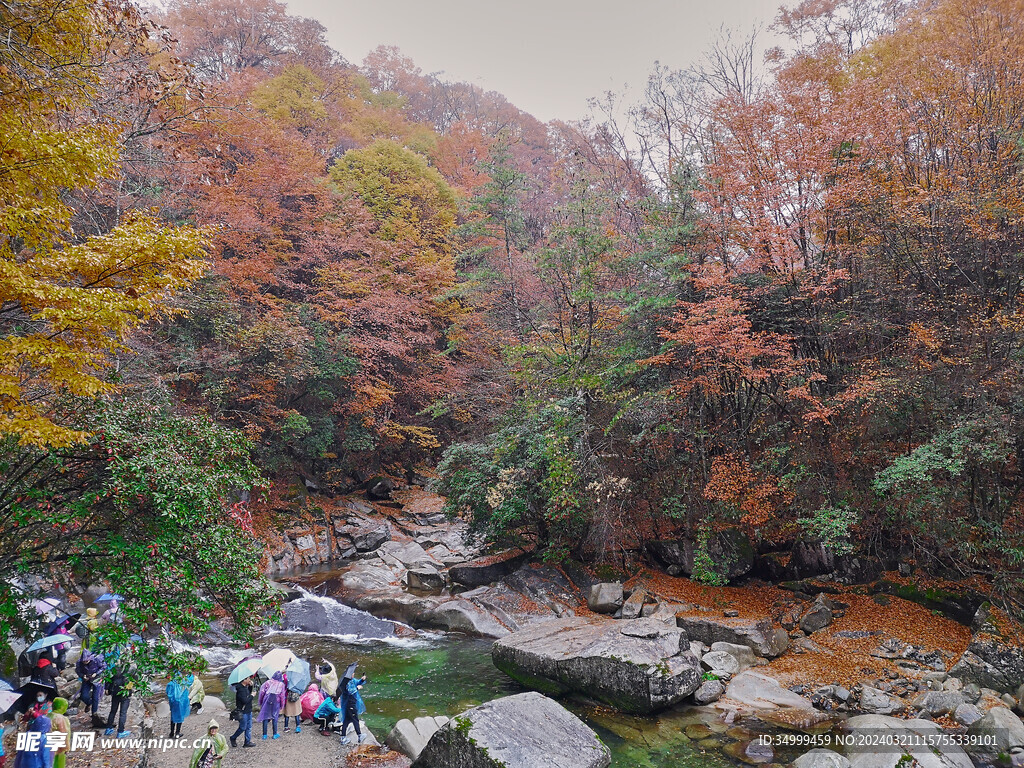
(196, 694)
(60, 722)
(328, 677)
(212, 749)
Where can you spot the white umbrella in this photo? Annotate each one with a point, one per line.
(276, 660)
(8, 699)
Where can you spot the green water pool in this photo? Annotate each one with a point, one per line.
(447, 674)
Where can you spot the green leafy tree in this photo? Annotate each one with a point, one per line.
(153, 505)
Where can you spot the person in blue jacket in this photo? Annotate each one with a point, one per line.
(328, 711)
(41, 756)
(177, 697)
(353, 708)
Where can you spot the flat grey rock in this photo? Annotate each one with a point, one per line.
(638, 666)
(523, 731)
(762, 692)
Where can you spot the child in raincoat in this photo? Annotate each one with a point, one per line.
(329, 679)
(177, 697)
(272, 697)
(40, 756)
(212, 749)
(60, 722)
(309, 701)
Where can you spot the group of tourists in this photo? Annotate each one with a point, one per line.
(332, 703)
(40, 710)
(324, 703)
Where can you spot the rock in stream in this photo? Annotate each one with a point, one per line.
(638, 666)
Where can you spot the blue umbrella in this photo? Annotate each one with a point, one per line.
(48, 642)
(298, 675)
(5, 686)
(247, 668)
(106, 597)
(70, 620)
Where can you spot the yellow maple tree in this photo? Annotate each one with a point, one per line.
(68, 302)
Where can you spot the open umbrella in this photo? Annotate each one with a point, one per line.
(276, 660)
(298, 675)
(106, 597)
(47, 605)
(5, 686)
(48, 642)
(247, 668)
(27, 694)
(8, 700)
(69, 621)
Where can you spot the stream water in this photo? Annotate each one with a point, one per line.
(421, 673)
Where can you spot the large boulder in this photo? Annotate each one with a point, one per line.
(463, 616)
(810, 558)
(425, 578)
(638, 666)
(857, 569)
(380, 488)
(730, 550)
(368, 539)
(991, 662)
(523, 731)
(605, 597)
(485, 570)
(403, 554)
(877, 752)
(634, 605)
(939, 703)
(709, 692)
(760, 635)
(1003, 728)
(818, 616)
(411, 736)
(876, 702)
(720, 662)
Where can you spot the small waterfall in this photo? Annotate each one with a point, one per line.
(325, 616)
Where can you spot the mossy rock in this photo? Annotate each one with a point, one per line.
(959, 607)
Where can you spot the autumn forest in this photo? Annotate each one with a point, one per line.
(781, 293)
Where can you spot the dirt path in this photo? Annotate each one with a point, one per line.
(308, 749)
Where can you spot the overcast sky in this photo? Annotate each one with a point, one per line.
(547, 56)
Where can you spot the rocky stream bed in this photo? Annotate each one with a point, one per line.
(648, 670)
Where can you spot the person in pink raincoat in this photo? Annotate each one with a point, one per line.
(310, 700)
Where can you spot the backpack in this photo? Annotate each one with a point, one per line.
(117, 682)
(293, 696)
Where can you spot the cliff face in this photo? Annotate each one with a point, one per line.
(323, 530)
